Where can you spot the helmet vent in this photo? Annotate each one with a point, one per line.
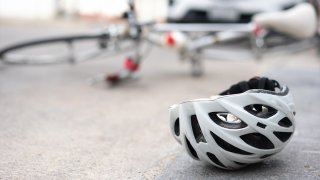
(227, 120)
(261, 125)
(214, 159)
(239, 163)
(261, 111)
(283, 136)
(228, 147)
(197, 130)
(191, 150)
(285, 122)
(265, 156)
(257, 140)
(177, 127)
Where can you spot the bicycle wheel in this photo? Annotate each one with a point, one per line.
(65, 49)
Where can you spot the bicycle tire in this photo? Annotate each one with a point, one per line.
(8, 56)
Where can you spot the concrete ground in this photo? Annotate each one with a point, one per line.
(55, 125)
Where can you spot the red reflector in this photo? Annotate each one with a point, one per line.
(170, 39)
(257, 29)
(130, 64)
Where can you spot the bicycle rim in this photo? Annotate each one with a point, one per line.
(67, 49)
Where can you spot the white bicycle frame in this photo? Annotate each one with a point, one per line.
(211, 41)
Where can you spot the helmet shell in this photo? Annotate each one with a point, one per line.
(235, 130)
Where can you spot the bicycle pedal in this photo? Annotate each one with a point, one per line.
(116, 79)
(113, 79)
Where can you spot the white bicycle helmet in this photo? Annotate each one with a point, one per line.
(245, 124)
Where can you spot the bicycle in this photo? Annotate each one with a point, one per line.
(192, 42)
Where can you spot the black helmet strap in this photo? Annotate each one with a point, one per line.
(253, 83)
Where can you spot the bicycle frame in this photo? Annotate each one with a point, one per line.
(192, 48)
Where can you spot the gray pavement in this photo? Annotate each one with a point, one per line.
(55, 125)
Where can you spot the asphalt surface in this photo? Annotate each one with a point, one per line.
(55, 125)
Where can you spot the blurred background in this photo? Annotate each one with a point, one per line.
(77, 9)
(54, 124)
(175, 10)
